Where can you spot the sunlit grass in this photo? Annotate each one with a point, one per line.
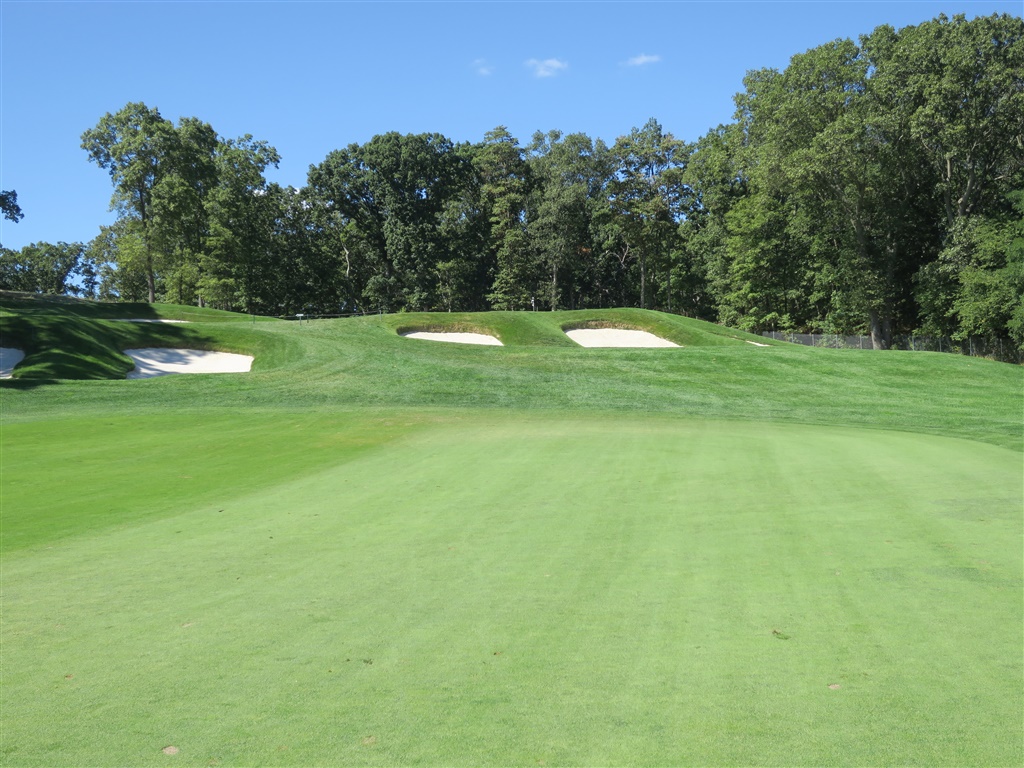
(376, 551)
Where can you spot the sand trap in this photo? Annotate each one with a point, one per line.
(160, 362)
(9, 357)
(617, 337)
(457, 338)
(145, 320)
(757, 343)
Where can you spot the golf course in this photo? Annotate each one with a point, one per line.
(371, 549)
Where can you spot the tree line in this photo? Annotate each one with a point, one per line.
(869, 187)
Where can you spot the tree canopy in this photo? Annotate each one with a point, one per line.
(871, 186)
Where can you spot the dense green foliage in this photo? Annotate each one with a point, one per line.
(374, 550)
(191, 205)
(47, 268)
(9, 207)
(870, 187)
(847, 192)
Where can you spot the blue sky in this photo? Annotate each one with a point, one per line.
(309, 77)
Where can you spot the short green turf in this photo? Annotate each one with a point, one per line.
(382, 551)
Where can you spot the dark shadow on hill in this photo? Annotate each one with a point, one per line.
(59, 346)
(23, 385)
(69, 306)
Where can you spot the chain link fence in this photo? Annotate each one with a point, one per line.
(974, 346)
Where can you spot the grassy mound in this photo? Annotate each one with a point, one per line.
(363, 362)
(68, 338)
(370, 551)
(535, 329)
(16, 304)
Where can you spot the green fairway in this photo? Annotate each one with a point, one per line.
(375, 550)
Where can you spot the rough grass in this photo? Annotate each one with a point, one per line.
(363, 362)
(375, 551)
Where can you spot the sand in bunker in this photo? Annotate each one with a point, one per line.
(144, 320)
(457, 338)
(160, 362)
(617, 337)
(9, 357)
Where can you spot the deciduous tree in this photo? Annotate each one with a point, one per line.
(45, 268)
(644, 197)
(134, 145)
(504, 183)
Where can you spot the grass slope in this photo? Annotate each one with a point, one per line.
(547, 328)
(376, 550)
(67, 338)
(362, 362)
(514, 590)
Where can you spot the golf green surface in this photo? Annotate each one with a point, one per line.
(290, 577)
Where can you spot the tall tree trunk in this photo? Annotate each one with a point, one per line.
(643, 280)
(881, 329)
(150, 278)
(668, 275)
(199, 281)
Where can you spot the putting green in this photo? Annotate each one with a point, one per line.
(498, 588)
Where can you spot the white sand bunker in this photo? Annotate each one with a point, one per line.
(757, 343)
(9, 357)
(160, 362)
(617, 337)
(144, 320)
(457, 338)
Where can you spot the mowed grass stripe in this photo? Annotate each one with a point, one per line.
(582, 590)
(74, 475)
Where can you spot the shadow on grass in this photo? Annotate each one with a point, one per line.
(34, 304)
(59, 346)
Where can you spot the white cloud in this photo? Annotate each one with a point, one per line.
(546, 68)
(642, 60)
(482, 67)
